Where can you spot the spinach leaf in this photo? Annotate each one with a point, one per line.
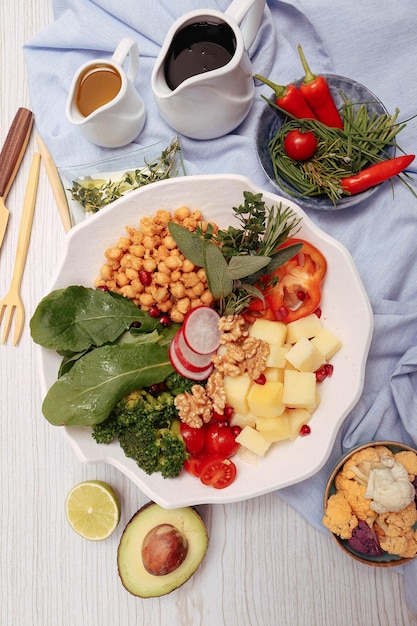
(87, 393)
(76, 318)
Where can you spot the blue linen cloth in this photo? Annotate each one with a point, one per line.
(376, 46)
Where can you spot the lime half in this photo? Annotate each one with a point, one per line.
(93, 510)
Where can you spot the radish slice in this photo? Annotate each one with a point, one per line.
(201, 330)
(189, 359)
(183, 371)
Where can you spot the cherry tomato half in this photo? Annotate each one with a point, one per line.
(220, 439)
(194, 438)
(300, 146)
(218, 472)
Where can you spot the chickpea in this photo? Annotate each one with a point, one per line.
(162, 253)
(190, 280)
(173, 262)
(196, 303)
(106, 272)
(149, 265)
(201, 273)
(177, 316)
(137, 286)
(128, 292)
(138, 250)
(199, 289)
(113, 254)
(175, 276)
(136, 236)
(207, 297)
(146, 299)
(160, 294)
(123, 243)
(169, 242)
(187, 266)
(181, 213)
(131, 273)
(177, 290)
(150, 242)
(163, 217)
(183, 305)
(122, 279)
(165, 306)
(161, 278)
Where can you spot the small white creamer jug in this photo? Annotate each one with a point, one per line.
(202, 79)
(103, 101)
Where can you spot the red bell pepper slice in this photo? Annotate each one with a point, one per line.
(298, 290)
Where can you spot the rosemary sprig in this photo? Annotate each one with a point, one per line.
(235, 259)
(364, 140)
(95, 193)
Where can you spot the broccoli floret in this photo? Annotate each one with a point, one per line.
(146, 426)
(178, 384)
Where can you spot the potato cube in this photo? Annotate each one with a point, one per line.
(296, 419)
(327, 343)
(274, 428)
(247, 456)
(253, 440)
(236, 389)
(267, 330)
(308, 326)
(304, 356)
(243, 420)
(274, 374)
(299, 389)
(317, 399)
(266, 400)
(276, 356)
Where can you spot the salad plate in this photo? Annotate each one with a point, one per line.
(346, 312)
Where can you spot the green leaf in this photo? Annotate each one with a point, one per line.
(245, 264)
(190, 245)
(282, 256)
(87, 393)
(76, 318)
(215, 265)
(254, 292)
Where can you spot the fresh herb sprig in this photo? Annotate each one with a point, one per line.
(236, 258)
(95, 193)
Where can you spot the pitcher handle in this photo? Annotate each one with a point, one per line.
(128, 47)
(254, 9)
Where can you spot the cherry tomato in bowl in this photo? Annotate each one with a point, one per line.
(194, 438)
(300, 145)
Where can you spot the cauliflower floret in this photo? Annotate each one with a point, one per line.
(354, 493)
(339, 518)
(389, 488)
(409, 460)
(360, 463)
(400, 523)
(394, 545)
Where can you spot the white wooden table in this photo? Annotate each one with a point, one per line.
(265, 565)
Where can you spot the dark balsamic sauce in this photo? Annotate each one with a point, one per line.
(196, 49)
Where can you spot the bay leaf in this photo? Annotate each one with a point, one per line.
(215, 265)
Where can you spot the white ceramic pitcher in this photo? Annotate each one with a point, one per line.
(215, 101)
(118, 121)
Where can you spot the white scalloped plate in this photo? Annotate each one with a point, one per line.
(346, 312)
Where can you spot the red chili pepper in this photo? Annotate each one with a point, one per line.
(290, 99)
(317, 94)
(298, 291)
(375, 174)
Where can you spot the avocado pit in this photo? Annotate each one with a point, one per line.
(164, 550)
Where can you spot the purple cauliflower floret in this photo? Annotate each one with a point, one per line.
(365, 541)
(414, 483)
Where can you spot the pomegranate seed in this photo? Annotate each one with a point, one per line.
(261, 380)
(305, 430)
(281, 313)
(135, 325)
(329, 369)
(145, 278)
(318, 312)
(165, 320)
(321, 374)
(235, 430)
(223, 424)
(301, 295)
(103, 288)
(154, 311)
(228, 412)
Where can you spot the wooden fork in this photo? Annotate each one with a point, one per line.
(13, 302)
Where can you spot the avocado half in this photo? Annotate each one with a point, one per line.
(160, 549)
